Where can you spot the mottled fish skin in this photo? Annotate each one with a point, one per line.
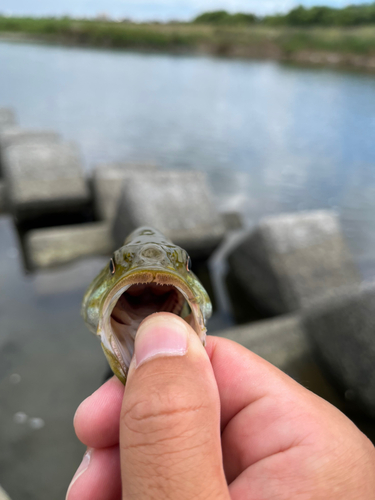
(156, 276)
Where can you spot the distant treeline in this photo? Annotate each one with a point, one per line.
(100, 33)
(283, 38)
(352, 15)
(222, 17)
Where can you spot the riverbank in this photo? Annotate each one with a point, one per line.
(339, 47)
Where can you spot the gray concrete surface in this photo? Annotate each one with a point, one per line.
(49, 362)
(291, 259)
(179, 204)
(7, 118)
(342, 329)
(108, 180)
(68, 277)
(17, 135)
(58, 245)
(44, 176)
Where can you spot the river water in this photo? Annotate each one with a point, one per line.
(272, 138)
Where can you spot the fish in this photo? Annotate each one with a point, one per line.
(148, 274)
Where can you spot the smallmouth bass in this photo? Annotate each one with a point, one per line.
(148, 274)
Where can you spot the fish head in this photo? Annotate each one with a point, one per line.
(148, 274)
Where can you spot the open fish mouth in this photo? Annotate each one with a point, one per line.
(138, 296)
(141, 300)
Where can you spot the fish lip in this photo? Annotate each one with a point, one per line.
(126, 282)
(143, 271)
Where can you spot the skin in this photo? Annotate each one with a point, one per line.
(216, 423)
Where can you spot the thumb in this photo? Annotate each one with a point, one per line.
(170, 420)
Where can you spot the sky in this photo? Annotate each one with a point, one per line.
(158, 10)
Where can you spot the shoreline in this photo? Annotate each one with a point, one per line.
(266, 49)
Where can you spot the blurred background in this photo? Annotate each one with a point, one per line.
(242, 129)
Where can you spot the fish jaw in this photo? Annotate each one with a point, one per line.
(119, 321)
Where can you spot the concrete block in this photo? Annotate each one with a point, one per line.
(291, 259)
(342, 330)
(280, 341)
(58, 245)
(179, 204)
(7, 118)
(107, 184)
(45, 176)
(68, 279)
(16, 135)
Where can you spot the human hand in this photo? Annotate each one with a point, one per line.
(220, 423)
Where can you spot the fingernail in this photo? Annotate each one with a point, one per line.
(81, 469)
(158, 337)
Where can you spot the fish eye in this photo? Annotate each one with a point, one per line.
(112, 267)
(188, 264)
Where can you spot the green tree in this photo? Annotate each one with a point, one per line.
(222, 17)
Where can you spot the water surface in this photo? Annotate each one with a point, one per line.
(271, 137)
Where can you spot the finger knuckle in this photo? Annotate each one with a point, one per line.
(161, 417)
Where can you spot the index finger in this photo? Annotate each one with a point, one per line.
(97, 419)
